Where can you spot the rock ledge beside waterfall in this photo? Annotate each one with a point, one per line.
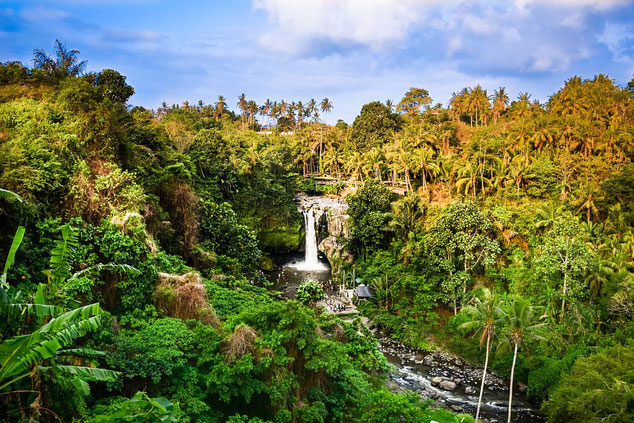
(331, 214)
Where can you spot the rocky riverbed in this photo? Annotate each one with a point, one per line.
(455, 384)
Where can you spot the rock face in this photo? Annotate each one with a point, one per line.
(331, 214)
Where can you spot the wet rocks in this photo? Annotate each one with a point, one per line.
(447, 385)
(470, 390)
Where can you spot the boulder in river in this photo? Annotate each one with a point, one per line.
(436, 380)
(470, 390)
(447, 385)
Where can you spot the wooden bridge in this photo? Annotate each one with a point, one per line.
(398, 188)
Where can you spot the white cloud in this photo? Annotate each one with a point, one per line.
(39, 14)
(373, 23)
(619, 39)
(594, 4)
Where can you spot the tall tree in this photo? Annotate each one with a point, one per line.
(520, 326)
(326, 106)
(485, 320)
(413, 100)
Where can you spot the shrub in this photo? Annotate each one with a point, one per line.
(310, 292)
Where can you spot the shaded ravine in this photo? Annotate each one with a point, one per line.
(425, 373)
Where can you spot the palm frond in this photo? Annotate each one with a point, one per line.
(112, 267)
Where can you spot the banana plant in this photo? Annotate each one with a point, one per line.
(40, 351)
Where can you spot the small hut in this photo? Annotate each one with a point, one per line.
(364, 292)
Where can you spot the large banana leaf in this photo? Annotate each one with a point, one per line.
(10, 194)
(17, 240)
(21, 354)
(85, 373)
(112, 267)
(62, 253)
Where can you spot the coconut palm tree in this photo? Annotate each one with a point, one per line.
(484, 320)
(64, 63)
(548, 214)
(467, 174)
(424, 162)
(326, 106)
(519, 173)
(399, 155)
(519, 323)
(242, 105)
(500, 102)
(221, 106)
(374, 159)
(332, 162)
(354, 166)
(252, 108)
(587, 198)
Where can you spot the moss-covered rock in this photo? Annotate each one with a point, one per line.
(267, 264)
(282, 239)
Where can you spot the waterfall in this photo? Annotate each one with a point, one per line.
(311, 257)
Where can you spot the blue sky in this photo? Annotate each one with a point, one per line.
(352, 51)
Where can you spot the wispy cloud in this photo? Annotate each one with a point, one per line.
(119, 35)
(377, 24)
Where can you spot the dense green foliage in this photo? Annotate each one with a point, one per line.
(133, 288)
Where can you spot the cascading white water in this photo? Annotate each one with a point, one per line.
(311, 257)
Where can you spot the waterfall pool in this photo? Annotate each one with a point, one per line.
(290, 272)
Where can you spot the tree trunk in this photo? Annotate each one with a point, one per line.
(484, 372)
(511, 384)
(563, 299)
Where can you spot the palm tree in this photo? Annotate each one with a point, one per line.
(424, 162)
(500, 102)
(374, 159)
(519, 173)
(519, 323)
(408, 215)
(586, 200)
(467, 177)
(65, 63)
(221, 106)
(332, 162)
(399, 155)
(599, 276)
(311, 109)
(485, 319)
(326, 105)
(242, 105)
(354, 166)
(252, 108)
(548, 214)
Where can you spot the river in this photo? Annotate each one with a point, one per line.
(423, 373)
